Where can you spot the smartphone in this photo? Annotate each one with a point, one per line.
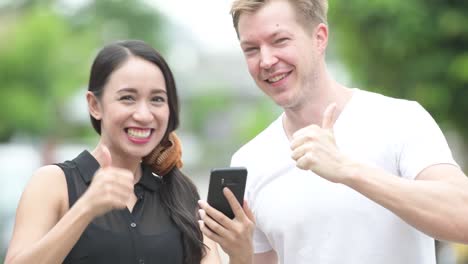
(233, 178)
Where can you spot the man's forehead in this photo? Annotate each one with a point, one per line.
(270, 15)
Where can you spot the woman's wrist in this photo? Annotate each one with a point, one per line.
(241, 260)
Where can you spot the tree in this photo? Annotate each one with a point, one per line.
(411, 49)
(40, 65)
(48, 54)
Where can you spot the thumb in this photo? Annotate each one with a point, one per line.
(329, 117)
(106, 157)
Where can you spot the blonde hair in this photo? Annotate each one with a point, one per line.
(310, 12)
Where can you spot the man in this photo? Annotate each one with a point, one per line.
(343, 175)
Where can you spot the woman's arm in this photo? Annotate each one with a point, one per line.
(41, 234)
(46, 229)
(212, 253)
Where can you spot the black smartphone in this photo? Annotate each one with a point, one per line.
(233, 178)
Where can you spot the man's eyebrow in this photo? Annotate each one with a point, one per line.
(270, 36)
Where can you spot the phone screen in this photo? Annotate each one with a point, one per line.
(233, 178)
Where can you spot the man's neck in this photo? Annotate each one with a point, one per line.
(311, 112)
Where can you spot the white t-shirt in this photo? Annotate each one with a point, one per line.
(307, 219)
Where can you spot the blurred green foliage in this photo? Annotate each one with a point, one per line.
(46, 53)
(37, 70)
(411, 49)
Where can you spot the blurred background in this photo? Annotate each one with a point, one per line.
(411, 49)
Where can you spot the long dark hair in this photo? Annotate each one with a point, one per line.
(179, 195)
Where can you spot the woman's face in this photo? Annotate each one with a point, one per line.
(133, 109)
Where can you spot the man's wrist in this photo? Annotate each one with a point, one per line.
(351, 172)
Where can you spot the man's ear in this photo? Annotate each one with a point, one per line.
(321, 36)
(94, 107)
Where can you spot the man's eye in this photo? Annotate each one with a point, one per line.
(281, 40)
(250, 50)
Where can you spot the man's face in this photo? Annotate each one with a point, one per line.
(281, 56)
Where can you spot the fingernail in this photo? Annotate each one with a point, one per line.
(202, 213)
(201, 223)
(201, 203)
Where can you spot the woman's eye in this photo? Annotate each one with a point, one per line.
(159, 99)
(126, 98)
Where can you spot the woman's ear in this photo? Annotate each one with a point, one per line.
(94, 107)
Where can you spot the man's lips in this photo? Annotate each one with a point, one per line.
(273, 78)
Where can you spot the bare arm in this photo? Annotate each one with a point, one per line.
(212, 253)
(46, 229)
(41, 234)
(268, 257)
(436, 202)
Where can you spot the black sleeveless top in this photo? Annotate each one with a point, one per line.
(145, 235)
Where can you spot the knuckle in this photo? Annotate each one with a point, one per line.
(238, 231)
(216, 228)
(310, 146)
(222, 222)
(309, 136)
(248, 224)
(312, 128)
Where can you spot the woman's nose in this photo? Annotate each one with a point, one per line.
(143, 113)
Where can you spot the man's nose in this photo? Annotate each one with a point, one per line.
(267, 58)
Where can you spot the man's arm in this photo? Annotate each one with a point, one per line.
(436, 202)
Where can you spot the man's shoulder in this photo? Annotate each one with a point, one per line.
(385, 114)
(378, 103)
(377, 98)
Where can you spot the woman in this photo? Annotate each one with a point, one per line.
(126, 201)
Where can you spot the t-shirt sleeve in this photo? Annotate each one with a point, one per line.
(423, 143)
(260, 242)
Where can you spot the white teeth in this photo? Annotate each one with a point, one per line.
(139, 133)
(277, 78)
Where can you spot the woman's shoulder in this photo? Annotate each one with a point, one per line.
(48, 183)
(48, 174)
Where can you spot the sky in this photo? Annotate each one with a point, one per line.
(208, 20)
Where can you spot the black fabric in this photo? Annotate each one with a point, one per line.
(145, 235)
